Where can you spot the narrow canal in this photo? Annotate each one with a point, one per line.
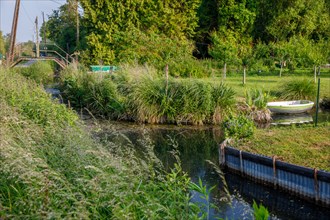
(197, 145)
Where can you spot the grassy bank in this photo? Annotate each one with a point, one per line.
(50, 167)
(306, 145)
(140, 94)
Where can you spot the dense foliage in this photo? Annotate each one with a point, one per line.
(249, 34)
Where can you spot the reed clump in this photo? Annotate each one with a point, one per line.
(299, 89)
(141, 94)
(50, 167)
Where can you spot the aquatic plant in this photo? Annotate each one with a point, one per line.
(96, 92)
(260, 212)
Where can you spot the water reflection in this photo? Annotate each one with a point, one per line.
(196, 145)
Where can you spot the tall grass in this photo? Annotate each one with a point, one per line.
(95, 92)
(299, 89)
(40, 71)
(141, 94)
(51, 168)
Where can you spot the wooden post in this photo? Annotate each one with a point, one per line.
(244, 75)
(317, 102)
(37, 39)
(314, 74)
(10, 56)
(224, 70)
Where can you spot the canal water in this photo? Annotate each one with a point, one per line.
(195, 146)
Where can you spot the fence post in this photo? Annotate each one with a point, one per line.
(316, 186)
(317, 102)
(241, 162)
(274, 172)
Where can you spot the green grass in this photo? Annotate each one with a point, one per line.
(305, 145)
(52, 168)
(272, 84)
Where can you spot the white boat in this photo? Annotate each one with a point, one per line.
(290, 107)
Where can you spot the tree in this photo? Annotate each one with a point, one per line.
(2, 44)
(107, 19)
(235, 22)
(281, 53)
(307, 18)
(61, 28)
(224, 49)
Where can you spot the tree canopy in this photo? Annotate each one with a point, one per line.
(156, 31)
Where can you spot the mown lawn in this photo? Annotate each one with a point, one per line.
(305, 145)
(271, 84)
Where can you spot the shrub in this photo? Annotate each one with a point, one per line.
(298, 89)
(94, 91)
(41, 72)
(238, 127)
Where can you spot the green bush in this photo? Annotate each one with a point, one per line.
(94, 91)
(298, 89)
(238, 127)
(40, 71)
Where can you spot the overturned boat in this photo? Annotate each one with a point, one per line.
(290, 107)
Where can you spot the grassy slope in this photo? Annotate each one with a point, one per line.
(51, 168)
(307, 146)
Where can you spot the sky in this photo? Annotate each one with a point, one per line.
(29, 10)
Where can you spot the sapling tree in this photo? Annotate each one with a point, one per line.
(224, 49)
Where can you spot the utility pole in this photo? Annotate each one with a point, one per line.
(37, 39)
(10, 56)
(77, 20)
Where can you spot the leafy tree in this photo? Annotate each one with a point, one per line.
(207, 23)
(61, 28)
(232, 38)
(107, 19)
(300, 17)
(224, 49)
(2, 44)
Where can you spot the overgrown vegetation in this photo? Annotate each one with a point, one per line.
(40, 71)
(138, 93)
(51, 168)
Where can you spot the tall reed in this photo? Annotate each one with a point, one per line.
(299, 89)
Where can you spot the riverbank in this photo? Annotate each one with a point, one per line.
(304, 145)
(51, 167)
